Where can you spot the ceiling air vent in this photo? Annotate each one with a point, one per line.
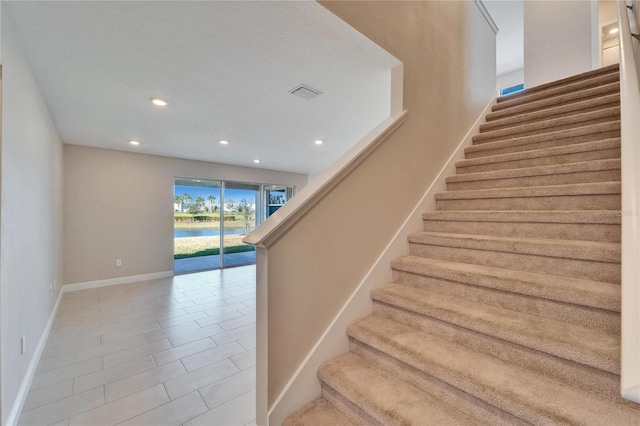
(305, 92)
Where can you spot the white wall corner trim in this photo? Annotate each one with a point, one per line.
(116, 281)
(487, 16)
(397, 90)
(304, 385)
(21, 397)
(630, 134)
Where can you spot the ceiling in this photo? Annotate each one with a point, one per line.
(509, 16)
(226, 69)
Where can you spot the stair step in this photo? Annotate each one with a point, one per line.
(523, 393)
(562, 82)
(549, 125)
(542, 300)
(385, 398)
(581, 131)
(586, 346)
(584, 377)
(543, 104)
(568, 258)
(606, 101)
(552, 92)
(576, 153)
(319, 413)
(589, 225)
(587, 171)
(590, 133)
(479, 409)
(594, 294)
(578, 196)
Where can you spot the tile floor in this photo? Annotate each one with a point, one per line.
(200, 263)
(177, 351)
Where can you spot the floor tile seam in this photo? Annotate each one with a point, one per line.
(119, 378)
(228, 401)
(72, 396)
(146, 411)
(127, 396)
(53, 401)
(102, 342)
(200, 368)
(101, 334)
(129, 360)
(186, 356)
(65, 378)
(212, 336)
(55, 368)
(104, 402)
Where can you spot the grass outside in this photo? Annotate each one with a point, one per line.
(208, 246)
(228, 224)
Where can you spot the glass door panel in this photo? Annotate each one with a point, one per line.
(196, 232)
(241, 211)
(274, 197)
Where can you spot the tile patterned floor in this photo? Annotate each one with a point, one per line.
(178, 351)
(201, 263)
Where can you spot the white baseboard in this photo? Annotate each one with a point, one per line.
(21, 397)
(116, 281)
(16, 409)
(304, 385)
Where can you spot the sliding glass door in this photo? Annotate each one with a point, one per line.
(211, 217)
(274, 197)
(241, 213)
(196, 231)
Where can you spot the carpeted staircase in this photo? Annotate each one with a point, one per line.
(507, 309)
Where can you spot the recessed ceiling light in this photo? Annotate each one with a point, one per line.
(318, 141)
(159, 102)
(134, 142)
(224, 142)
(613, 30)
(256, 161)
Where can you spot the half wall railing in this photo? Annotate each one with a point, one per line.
(323, 246)
(630, 152)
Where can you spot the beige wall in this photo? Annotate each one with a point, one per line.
(31, 222)
(448, 51)
(557, 40)
(607, 11)
(119, 205)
